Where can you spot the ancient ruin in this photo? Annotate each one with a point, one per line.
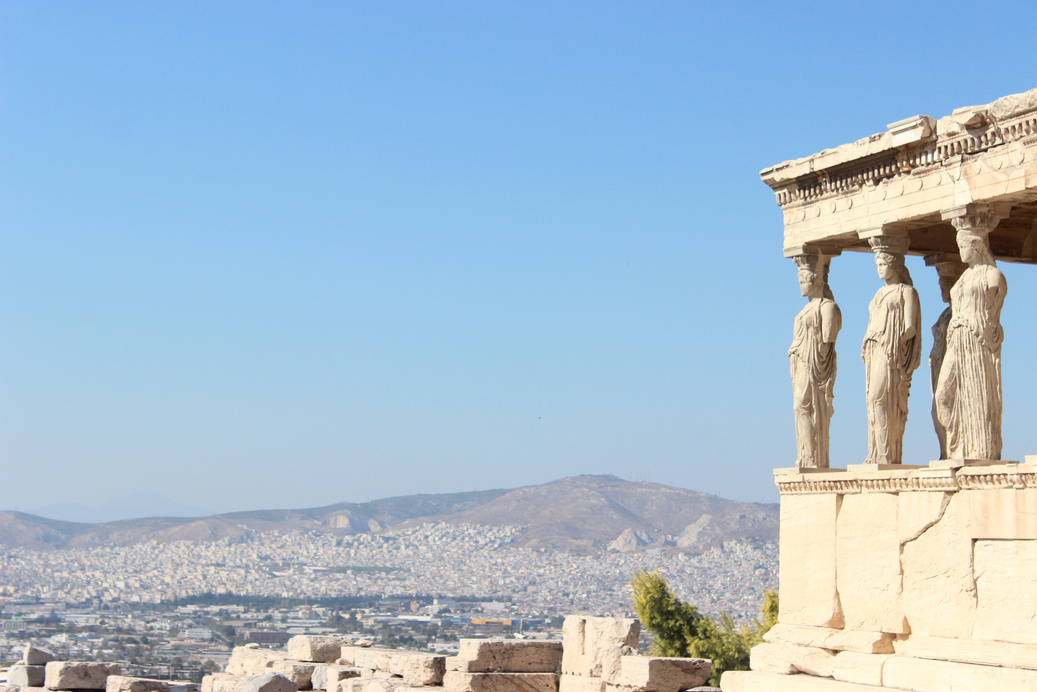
(595, 655)
(917, 575)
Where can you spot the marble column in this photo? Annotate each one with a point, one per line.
(949, 269)
(812, 361)
(968, 392)
(891, 350)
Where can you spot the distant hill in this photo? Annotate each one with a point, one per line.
(582, 514)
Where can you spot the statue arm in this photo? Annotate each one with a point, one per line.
(831, 321)
(912, 314)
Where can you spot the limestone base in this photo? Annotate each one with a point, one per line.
(896, 673)
(912, 578)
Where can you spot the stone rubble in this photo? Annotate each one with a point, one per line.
(594, 655)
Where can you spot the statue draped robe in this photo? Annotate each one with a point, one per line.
(969, 390)
(812, 365)
(889, 361)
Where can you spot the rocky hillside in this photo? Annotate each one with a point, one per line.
(580, 514)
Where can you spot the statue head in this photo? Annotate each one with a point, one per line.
(891, 264)
(811, 284)
(813, 275)
(974, 248)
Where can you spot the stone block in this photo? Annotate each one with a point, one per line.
(418, 668)
(580, 683)
(73, 675)
(755, 681)
(316, 648)
(787, 659)
(1006, 603)
(1002, 654)
(269, 682)
(26, 676)
(658, 674)
(222, 682)
(251, 660)
(867, 557)
(35, 656)
(830, 638)
(457, 681)
(372, 658)
(182, 686)
(921, 675)
(864, 669)
(298, 672)
(123, 683)
(326, 673)
(593, 645)
(379, 684)
(806, 575)
(506, 655)
(939, 592)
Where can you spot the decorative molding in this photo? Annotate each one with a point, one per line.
(927, 480)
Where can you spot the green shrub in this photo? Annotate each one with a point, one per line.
(681, 630)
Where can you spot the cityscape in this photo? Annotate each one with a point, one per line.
(175, 610)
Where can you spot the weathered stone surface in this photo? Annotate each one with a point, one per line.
(252, 660)
(868, 563)
(593, 646)
(864, 669)
(418, 668)
(222, 682)
(35, 656)
(807, 567)
(316, 648)
(983, 653)
(269, 682)
(26, 676)
(1002, 513)
(657, 674)
(380, 684)
(298, 672)
(1006, 602)
(755, 681)
(372, 658)
(457, 681)
(939, 593)
(940, 676)
(325, 673)
(830, 638)
(73, 675)
(506, 655)
(787, 659)
(123, 683)
(580, 683)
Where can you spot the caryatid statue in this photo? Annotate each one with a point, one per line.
(812, 362)
(891, 351)
(949, 268)
(968, 393)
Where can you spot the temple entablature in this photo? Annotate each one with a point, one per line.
(907, 179)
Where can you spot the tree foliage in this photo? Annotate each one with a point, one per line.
(681, 630)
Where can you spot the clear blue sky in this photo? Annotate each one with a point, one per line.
(269, 254)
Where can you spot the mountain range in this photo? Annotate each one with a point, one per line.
(580, 514)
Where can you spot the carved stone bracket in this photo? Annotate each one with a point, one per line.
(976, 219)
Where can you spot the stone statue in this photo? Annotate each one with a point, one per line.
(949, 270)
(968, 393)
(812, 363)
(891, 351)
